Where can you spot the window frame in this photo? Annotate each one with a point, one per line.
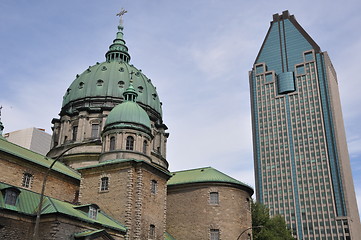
(93, 212)
(145, 146)
(95, 132)
(153, 186)
(74, 132)
(112, 142)
(151, 231)
(214, 198)
(27, 179)
(11, 196)
(129, 143)
(214, 234)
(104, 184)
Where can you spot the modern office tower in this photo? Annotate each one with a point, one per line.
(302, 165)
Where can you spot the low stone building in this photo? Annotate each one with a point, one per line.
(205, 203)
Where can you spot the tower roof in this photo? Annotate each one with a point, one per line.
(203, 175)
(105, 83)
(36, 158)
(294, 41)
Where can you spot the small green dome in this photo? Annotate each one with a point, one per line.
(126, 114)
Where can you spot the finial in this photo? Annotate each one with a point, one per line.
(1, 124)
(120, 14)
(118, 51)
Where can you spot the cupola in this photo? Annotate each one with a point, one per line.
(128, 114)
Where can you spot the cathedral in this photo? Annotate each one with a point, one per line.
(106, 175)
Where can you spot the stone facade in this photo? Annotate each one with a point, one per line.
(192, 216)
(131, 197)
(58, 185)
(15, 227)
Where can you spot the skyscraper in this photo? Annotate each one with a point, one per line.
(302, 165)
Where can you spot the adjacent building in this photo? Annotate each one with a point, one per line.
(302, 165)
(35, 139)
(205, 203)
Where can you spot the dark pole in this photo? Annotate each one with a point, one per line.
(240, 235)
(40, 206)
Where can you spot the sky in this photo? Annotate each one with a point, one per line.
(197, 53)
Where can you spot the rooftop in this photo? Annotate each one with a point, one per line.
(27, 203)
(203, 175)
(33, 157)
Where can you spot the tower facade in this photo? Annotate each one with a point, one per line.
(302, 165)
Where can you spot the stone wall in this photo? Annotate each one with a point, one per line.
(129, 198)
(191, 216)
(14, 227)
(58, 185)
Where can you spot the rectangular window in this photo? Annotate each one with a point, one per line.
(214, 234)
(95, 131)
(93, 212)
(151, 231)
(11, 196)
(75, 132)
(104, 185)
(214, 198)
(112, 144)
(154, 187)
(27, 177)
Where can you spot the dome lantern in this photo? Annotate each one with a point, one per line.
(118, 51)
(130, 94)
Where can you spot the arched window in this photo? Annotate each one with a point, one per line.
(145, 146)
(112, 144)
(104, 184)
(130, 143)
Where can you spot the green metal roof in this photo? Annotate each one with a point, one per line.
(36, 158)
(109, 79)
(94, 233)
(115, 161)
(88, 233)
(128, 112)
(167, 236)
(28, 201)
(202, 175)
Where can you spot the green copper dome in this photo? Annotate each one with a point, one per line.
(126, 114)
(103, 85)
